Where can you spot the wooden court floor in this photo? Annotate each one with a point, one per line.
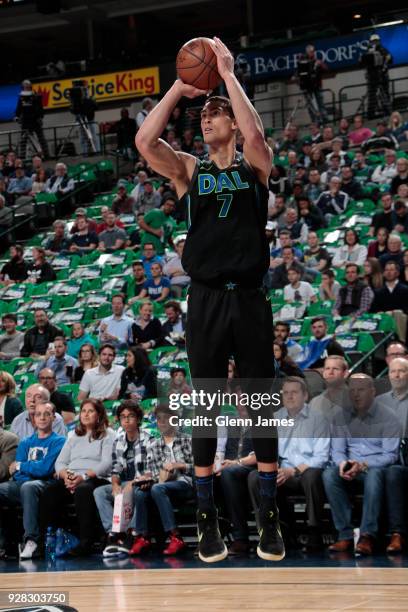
(215, 589)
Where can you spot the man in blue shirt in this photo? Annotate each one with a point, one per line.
(21, 184)
(157, 287)
(117, 328)
(365, 442)
(303, 454)
(57, 360)
(31, 473)
(150, 257)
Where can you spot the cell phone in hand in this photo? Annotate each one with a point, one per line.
(139, 483)
(347, 466)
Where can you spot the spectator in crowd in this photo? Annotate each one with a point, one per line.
(399, 217)
(384, 173)
(58, 242)
(147, 330)
(402, 193)
(170, 462)
(158, 226)
(287, 366)
(15, 270)
(404, 272)
(157, 288)
(84, 240)
(316, 256)
(333, 170)
(337, 149)
(396, 476)
(332, 202)
(87, 359)
(309, 214)
(6, 215)
(103, 225)
(103, 381)
(394, 294)
(37, 165)
(173, 328)
(329, 287)
(23, 425)
(352, 251)
(92, 225)
(8, 447)
(147, 106)
(303, 455)
(360, 133)
(318, 161)
(32, 472)
(133, 287)
(320, 346)
(123, 204)
(382, 218)
(277, 211)
(39, 181)
(298, 290)
(138, 380)
(125, 130)
(116, 329)
(79, 337)
(63, 402)
(40, 271)
(397, 126)
(178, 381)
(83, 464)
(290, 141)
(10, 405)
(279, 277)
(281, 332)
(139, 180)
(355, 297)
(381, 140)
(38, 338)
(297, 228)
(394, 251)
(20, 185)
(57, 360)
(150, 257)
(401, 177)
(336, 395)
(113, 237)
(60, 183)
(349, 184)
(147, 200)
(129, 468)
(313, 189)
(12, 340)
(362, 171)
(395, 349)
(285, 240)
(199, 149)
(373, 273)
(360, 461)
(378, 247)
(278, 181)
(173, 269)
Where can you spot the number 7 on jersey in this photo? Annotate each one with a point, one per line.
(226, 200)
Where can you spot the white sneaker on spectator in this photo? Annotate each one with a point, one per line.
(30, 550)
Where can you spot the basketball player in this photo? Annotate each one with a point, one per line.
(226, 255)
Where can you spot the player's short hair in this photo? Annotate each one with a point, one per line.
(221, 101)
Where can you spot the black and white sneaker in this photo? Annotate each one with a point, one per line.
(271, 546)
(118, 544)
(211, 546)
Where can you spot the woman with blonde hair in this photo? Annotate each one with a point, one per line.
(87, 359)
(10, 405)
(398, 128)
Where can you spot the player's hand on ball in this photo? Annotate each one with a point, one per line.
(225, 59)
(189, 91)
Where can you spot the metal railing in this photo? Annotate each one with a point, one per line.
(349, 106)
(356, 367)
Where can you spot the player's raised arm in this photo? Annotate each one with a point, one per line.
(158, 153)
(256, 150)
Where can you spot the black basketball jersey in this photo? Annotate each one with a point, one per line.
(226, 213)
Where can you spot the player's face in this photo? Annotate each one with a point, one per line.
(216, 125)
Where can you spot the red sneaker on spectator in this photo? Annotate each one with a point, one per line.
(175, 545)
(140, 545)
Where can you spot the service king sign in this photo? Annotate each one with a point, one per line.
(102, 87)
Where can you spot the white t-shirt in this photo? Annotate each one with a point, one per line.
(304, 291)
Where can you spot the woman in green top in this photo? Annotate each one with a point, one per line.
(78, 338)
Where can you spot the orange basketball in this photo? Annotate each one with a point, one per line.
(196, 64)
